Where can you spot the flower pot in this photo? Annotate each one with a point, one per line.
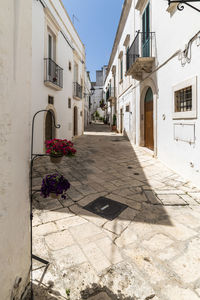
(114, 128)
(54, 196)
(56, 159)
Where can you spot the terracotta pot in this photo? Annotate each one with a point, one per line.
(114, 128)
(56, 159)
(54, 196)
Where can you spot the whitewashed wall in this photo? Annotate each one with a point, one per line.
(87, 100)
(179, 155)
(173, 31)
(15, 99)
(124, 88)
(65, 53)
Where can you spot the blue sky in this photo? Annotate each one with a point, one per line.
(96, 25)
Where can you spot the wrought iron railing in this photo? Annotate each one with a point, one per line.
(53, 73)
(78, 90)
(142, 46)
(111, 93)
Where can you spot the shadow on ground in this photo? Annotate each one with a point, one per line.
(42, 292)
(97, 292)
(105, 163)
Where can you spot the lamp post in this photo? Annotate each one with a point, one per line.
(181, 3)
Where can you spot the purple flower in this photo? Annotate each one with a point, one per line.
(54, 183)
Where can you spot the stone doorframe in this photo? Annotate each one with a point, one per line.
(148, 83)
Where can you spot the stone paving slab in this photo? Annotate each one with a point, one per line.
(150, 251)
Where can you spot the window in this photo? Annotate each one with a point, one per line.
(184, 99)
(50, 100)
(75, 72)
(69, 103)
(127, 108)
(127, 59)
(70, 66)
(51, 45)
(121, 68)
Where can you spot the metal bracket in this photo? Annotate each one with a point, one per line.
(44, 262)
(181, 3)
(33, 157)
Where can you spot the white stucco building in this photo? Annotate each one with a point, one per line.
(15, 99)
(58, 71)
(87, 103)
(98, 95)
(42, 67)
(153, 77)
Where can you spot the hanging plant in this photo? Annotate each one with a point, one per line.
(55, 184)
(57, 148)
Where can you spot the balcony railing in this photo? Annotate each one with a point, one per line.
(143, 46)
(78, 90)
(111, 93)
(53, 73)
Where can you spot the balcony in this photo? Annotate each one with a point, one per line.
(141, 55)
(111, 94)
(77, 90)
(53, 74)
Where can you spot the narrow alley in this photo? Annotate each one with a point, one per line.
(148, 249)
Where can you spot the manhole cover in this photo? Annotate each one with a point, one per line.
(106, 208)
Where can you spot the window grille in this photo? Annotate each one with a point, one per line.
(50, 100)
(69, 103)
(183, 99)
(70, 66)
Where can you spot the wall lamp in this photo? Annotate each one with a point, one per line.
(180, 4)
(92, 90)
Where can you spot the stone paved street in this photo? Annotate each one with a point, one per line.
(150, 251)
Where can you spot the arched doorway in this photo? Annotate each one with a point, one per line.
(49, 126)
(75, 120)
(148, 120)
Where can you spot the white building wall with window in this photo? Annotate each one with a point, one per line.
(175, 135)
(66, 50)
(87, 104)
(125, 96)
(178, 133)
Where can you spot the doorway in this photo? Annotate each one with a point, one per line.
(49, 126)
(148, 120)
(75, 121)
(121, 120)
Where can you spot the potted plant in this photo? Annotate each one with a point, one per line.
(54, 185)
(114, 127)
(57, 148)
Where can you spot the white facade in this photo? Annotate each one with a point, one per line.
(171, 69)
(15, 99)
(98, 95)
(57, 87)
(87, 103)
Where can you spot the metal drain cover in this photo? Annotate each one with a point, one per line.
(106, 208)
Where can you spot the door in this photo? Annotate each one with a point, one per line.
(75, 121)
(148, 120)
(121, 120)
(146, 33)
(49, 126)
